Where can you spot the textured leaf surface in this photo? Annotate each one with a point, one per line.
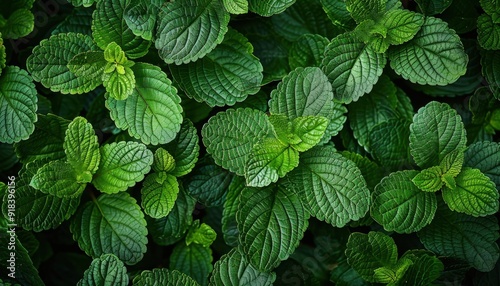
(436, 131)
(111, 224)
(105, 270)
(226, 75)
(152, 113)
(232, 269)
(18, 105)
(488, 33)
(485, 156)
(261, 215)
(201, 234)
(48, 63)
(435, 56)
(458, 235)
(87, 64)
(193, 260)
(352, 67)
(79, 21)
(188, 30)
(81, 146)
(141, 17)
(229, 136)
(309, 130)
(398, 205)
(432, 7)
(119, 85)
(338, 13)
(424, 270)
(84, 3)
(122, 165)
(229, 225)
(429, 180)
(163, 161)
(364, 10)
(158, 194)
(185, 149)
(330, 186)
(388, 143)
(307, 51)
(163, 277)
(402, 25)
(19, 24)
(267, 8)
(236, 6)
(208, 183)
(59, 179)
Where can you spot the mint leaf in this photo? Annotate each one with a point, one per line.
(184, 148)
(152, 112)
(163, 276)
(201, 234)
(79, 21)
(89, 65)
(452, 162)
(105, 270)
(389, 142)
(226, 75)
(84, 3)
(20, 23)
(364, 10)
(488, 32)
(59, 179)
(425, 268)
(435, 56)
(194, 260)
(179, 22)
(158, 194)
(267, 8)
(229, 225)
(260, 216)
(491, 7)
(236, 6)
(3, 55)
(309, 130)
(163, 161)
(474, 194)
(398, 205)
(81, 147)
(307, 51)
(402, 25)
(122, 165)
(484, 156)
(18, 103)
(429, 180)
(119, 220)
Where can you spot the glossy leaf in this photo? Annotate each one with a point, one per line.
(105, 270)
(429, 180)
(81, 147)
(59, 179)
(158, 194)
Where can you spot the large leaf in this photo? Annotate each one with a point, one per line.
(485, 156)
(18, 105)
(398, 205)
(184, 148)
(352, 67)
(122, 165)
(59, 179)
(261, 215)
(111, 224)
(152, 113)
(48, 63)
(330, 186)
(81, 147)
(109, 26)
(158, 194)
(193, 260)
(229, 136)
(436, 131)
(188, 30)
(435, 56)
(267, 8)
(105, 270)
(224, 76)
(163, 277)
(488, 33)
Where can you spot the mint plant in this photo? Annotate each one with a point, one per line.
(249, 142)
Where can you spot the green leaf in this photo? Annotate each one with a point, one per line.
(338, 13)
(429, 180)
(122, 165)
(307, 51)
(371, 172)
(141, 17)
(84, 3)
(402, 25)
(193, 260)
(19, 24)
(433, 7)
(236, 6)
(389, 142)
(105, 270)
(435, 56)
(230, 136)
(368, 252)
(163, 161)
(184, 148)
(158, 194)
(398, 205)
(59, 179)
(424, 270)
(261, 215)
(121, 228)
(89, 65)
(48, 63)
(352, 67)
(8, 156)
(475, 194)
(18, 105)
(364, 10)
(152, 113)
(484, 156)
(163, 277)
(309, 130)
(226, 75)
(452, 162)
(488, 32)
(3, 55)
(330, 186)
(491, 7)
(436, 131)
(109, 26)
(462, 236)
(182, 21)
(233, 269)
(201, 234)
(81, 147)
(119, 86)
(229, 225)
(268, 8)
(79, 21)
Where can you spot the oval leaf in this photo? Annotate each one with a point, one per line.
(81, 146)
(184, 148)
(158, 194)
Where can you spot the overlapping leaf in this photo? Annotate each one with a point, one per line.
(19, 23)
(184, 148)
(365, 10)
(141, 18)
(485, 156)
(193, 260)
(307, 51)
(236, 6)
(429, 180)
(201, 234)
(432, 7)
(81, 147)
(229, 224)
(388, 143)
(488, 32)
(267, 8)
(105, 270)
(163, 162)
(88, 64)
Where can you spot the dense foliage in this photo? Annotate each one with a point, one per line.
(249, 142)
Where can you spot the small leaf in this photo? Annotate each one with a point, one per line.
(488, 32)
(485, 156)
(307, 51)
(433, 7)
(194, 260)
(89, 65)
(268, 8)
(164, 277)
(122, 165)
(59, 179)
(184, 148)
(201, 234)
(429, 180)
(310, 130)
(163, 161)
(81, 147)
(363, 10)
(105, 270)
(452, 162)
(119, 83)
(158, 194)
(84, 3)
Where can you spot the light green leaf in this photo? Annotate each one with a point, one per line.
(229, 225)
(435, 56)
(452, 162)
(84, 3)
(18, 24)
(402, 25)
(475, 194)
(105, 270)
(268, 8)
(436, 131)
(111, 224)
(307, 51)
(18, 105)
(368, 252)
(236, 6)
(59, 179)
(485, 156)
(181, 22)
(268, 161)
(81, 147)
(122, 165)
(352, 67)
(158, 194)
(118, 78)
(226, 75)
(433, 7)
(398, 205)
(233, 269)
(389, 142)
(201, 234)
(364, 10)
(230, 136)
(89, 65)
(338, 13)
(330, 186)
(109, 26)
(309, 130)
(163, 277)
(163, 161)
(488, 32)
(152, 113)
(194, 260)
(429, 180)
(462, 236)
(394, 273)
(262, 213)
(424, 270)
(48, 63)
(184, 148)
